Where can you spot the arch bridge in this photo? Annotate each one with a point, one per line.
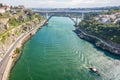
(74, 18)
(74, 15)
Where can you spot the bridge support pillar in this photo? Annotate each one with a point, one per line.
(46, 17)
(76, 22)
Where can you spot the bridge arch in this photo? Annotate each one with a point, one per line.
(75, 21)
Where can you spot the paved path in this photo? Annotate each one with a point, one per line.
(5, 60)
(102, 41)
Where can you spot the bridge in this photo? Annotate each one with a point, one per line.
(74, 15)
(75, 19)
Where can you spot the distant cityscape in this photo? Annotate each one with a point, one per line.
(4, 8)
(96, 8)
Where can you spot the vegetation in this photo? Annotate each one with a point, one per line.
(14, 22)
(5, 15)
(18, 50)
(111, 11)
(90, 16)
(14, 19)
(38, 16)
(4, 37)
(108, 32)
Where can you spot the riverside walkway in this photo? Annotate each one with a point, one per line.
(102, 41)
(9, 53)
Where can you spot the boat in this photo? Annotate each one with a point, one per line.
(94, 70)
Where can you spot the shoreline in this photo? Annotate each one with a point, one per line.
(97, 42)
(14, 57)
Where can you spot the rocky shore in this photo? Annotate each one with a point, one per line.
(98, 42)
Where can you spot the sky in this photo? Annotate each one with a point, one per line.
(62, 3)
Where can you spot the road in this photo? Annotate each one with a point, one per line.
(5, 60)
(102, 41)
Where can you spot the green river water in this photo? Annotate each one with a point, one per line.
(57, 53)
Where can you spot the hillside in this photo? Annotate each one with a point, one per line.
(102, 25)
(13, 23)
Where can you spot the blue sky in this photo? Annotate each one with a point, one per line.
(62, 3)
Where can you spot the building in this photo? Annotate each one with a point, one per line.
(4, 8)
(17, 8)
(105, 20)
(21, 6)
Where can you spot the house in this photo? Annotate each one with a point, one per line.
(17, 8)
(117, 21)
(22, 18)
(4, 22)
(96, 18)
(2, 10)
(21, 7)
(105, 20)
(7, 8)
(113, 16)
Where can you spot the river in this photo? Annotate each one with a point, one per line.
(57, 53)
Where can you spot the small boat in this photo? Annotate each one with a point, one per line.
(94, 70)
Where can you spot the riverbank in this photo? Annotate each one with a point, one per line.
(98, 42)
(11, 60)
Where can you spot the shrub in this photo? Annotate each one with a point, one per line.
(14, 22)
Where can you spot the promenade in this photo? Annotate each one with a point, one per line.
(6, 62)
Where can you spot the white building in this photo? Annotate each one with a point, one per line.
(105, 21)
(2, 10)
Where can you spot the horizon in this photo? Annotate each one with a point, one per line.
(79, 7)
(62, 3)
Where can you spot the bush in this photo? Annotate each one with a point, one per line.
(4, 37)
(5, 15)
(18, 50)
(14, 22)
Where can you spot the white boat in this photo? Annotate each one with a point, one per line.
(94, 70)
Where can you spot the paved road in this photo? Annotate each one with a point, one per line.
(5, 60)
(102, 41)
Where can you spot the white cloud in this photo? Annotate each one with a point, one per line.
(62, 3)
